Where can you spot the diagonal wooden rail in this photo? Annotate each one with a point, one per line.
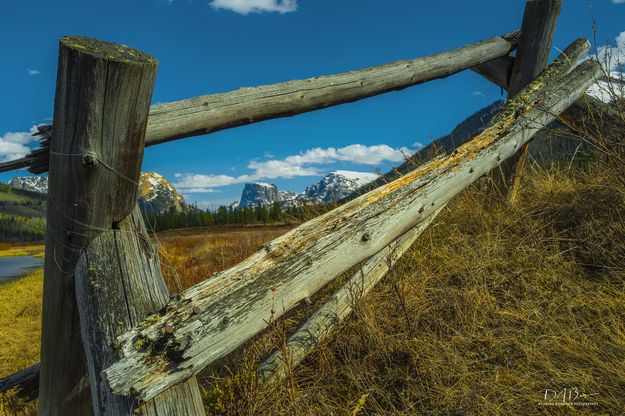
(588, 115)
(214, 317)
(338, 307)
(320, 325)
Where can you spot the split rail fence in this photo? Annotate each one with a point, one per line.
(114, 342)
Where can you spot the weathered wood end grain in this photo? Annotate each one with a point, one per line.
(236, 304)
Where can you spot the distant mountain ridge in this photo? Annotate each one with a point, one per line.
(156, 194)
(333, 187)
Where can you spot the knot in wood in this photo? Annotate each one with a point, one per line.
(89, 159)
(365, 237)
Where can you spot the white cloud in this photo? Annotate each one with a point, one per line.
(618, 1)
(418, 145)
(256, 6)
(199, 183)
(303, 164)
(613, 57)
(33, 71)
(13, 145)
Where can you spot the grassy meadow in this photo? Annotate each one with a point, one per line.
(493, 305)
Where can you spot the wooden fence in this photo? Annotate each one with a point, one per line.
(113, 341)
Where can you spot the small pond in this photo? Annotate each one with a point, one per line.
(12, 267)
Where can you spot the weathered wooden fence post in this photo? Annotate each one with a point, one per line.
(539, 24)
(101, 107)
(119, 283)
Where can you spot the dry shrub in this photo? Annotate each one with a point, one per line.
(493, 305)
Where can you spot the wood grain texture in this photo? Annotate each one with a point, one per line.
(118, 284)
(237, 303)
(338, 307)
(101, 105)
(537, 29)
(539, 24)
(211, 113)
(497, 70)
(214, 112)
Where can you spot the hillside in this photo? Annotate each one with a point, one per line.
(22, 214)
(23, 204)
(156, 194)
(550, 144)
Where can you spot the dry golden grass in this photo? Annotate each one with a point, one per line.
(20, 320)
(20, 317)
(194, 254)
(18, 249)
(492, 305)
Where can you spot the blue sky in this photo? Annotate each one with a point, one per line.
(215, 46)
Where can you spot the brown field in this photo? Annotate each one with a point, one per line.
(191, 255)
(493, 305)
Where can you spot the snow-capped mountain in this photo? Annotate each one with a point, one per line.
(38, 184)
(332, 187)
(337, 185)
(156, 194)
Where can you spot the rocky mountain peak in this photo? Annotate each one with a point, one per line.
(157, 195)
(337, 185)
(258, 193)
(332, 187)
(38, 184)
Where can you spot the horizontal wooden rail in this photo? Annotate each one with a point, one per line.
(214, 112)
(25, 383)
(216, 316)
(210, 113)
